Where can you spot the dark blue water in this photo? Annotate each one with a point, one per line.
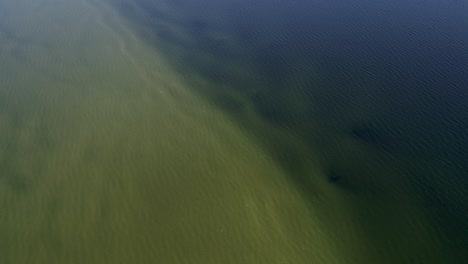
(373, 88)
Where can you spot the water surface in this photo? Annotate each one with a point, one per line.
(138, 131)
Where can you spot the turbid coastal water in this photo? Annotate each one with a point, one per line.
(233, 131)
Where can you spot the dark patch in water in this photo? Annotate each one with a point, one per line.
(333, 177)
(15, 181)
(268, 106)
(369, 134)
(271, 64)
(167, 35)
(228, 103)
(10, 173)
